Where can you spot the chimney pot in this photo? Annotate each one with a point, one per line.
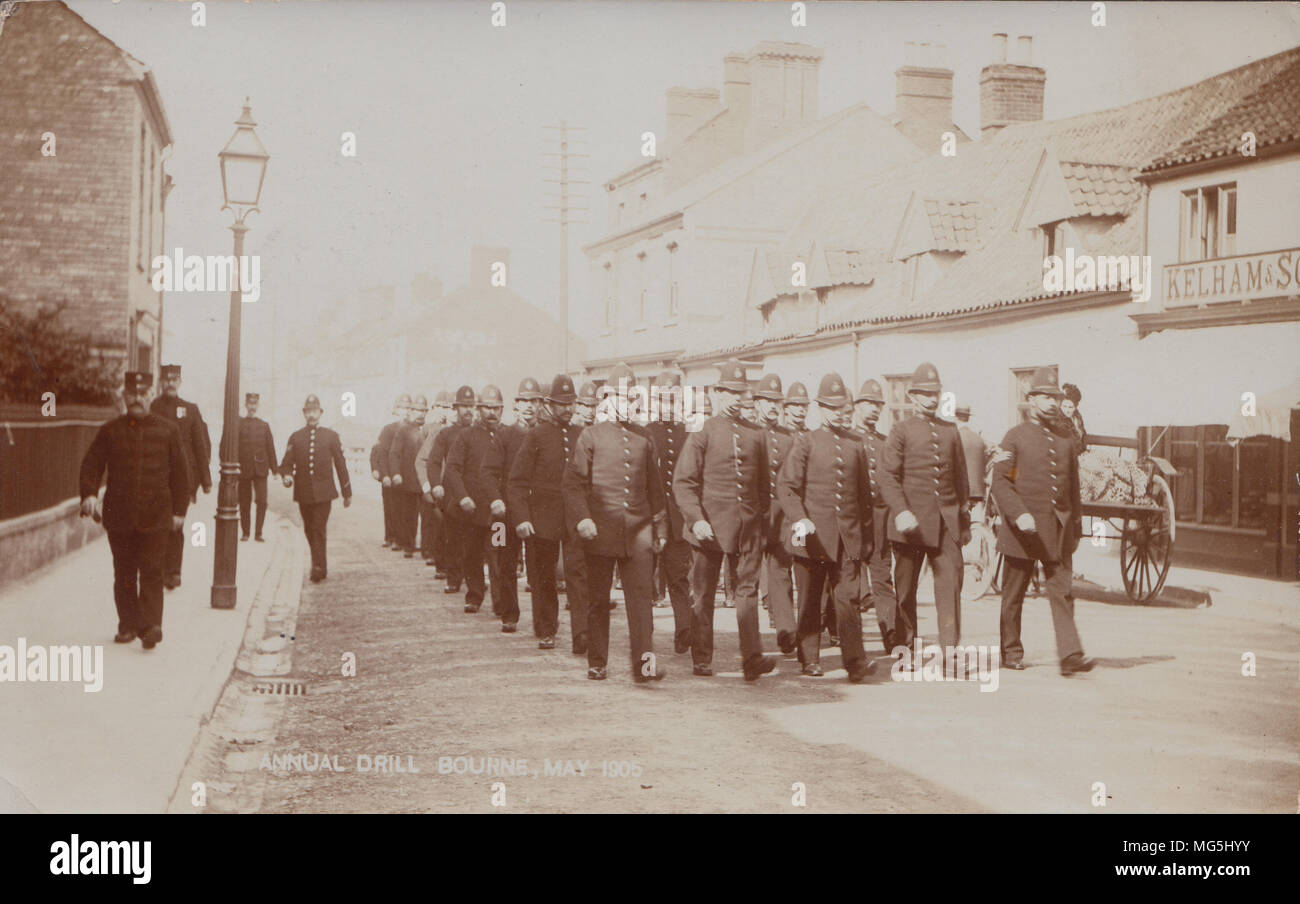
(999, 47)
(1024, 50)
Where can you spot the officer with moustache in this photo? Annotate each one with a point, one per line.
(824, 489)
(668, 430)
(257, 458)
(584, 410)
(307, 460)
(795, 407)
(1036, 485)
(149, 489)
(407, 484)
(527, 399)
(456, 525)
(868, 405)
(722, 487)
(379, 469)
(615, 501)
(477, 471)
(536, 502)
(198, 452)
(574, 580)
(922, 476)
(777, 560)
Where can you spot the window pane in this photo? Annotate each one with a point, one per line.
(1255, 470)
(1182, 455)
(1220, 461)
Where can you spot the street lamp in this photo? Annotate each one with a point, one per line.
(243, 167)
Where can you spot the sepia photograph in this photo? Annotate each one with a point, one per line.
(611, 407)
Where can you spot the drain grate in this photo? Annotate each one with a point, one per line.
(281, 687)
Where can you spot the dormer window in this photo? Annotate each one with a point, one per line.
(1054, 239)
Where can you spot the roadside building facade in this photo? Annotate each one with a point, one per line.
(1150, 211)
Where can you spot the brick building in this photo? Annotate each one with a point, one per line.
(83, 136)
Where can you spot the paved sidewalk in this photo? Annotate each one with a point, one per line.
(118, 750)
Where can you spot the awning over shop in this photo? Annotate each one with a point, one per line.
(1272, 415)
(1191, 377)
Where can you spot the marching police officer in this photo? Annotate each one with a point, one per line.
(257, 458)
(379, 468)
(407, 485)
(868, 404)
(536, 502)
(584, 409)
(777, 559)
(198, 452)
(923, 479)
(722, 487)
(149, 489)
(825, 490)
(1036, 486)
(615, 501)
(430, 516)
(795, 407)
(669, 434)
(477, 471)
(526, 401)
(456, 525)
(306, 469)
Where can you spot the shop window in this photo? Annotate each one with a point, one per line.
(1208, 223)
(1220, 483)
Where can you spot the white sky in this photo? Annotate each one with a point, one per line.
(448, 110)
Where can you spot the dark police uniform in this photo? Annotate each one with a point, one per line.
(402, 449)
(780, 588)
(826, 480)
(1040, 475)
(148, 484)
(880, 571)
(674, 563)
(257, 458)
(307, 460)
(198, 453)
(613, 479)
(478, 467)
(379, 465)
(456, 525)
(923, 470)
(722, 478)
(535, 496)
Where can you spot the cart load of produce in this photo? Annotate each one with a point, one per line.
(1105, 477)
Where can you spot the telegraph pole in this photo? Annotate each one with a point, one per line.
(564, 209)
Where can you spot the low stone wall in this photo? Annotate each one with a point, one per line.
(31, 541)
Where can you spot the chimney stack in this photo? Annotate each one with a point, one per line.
(783, 79)
(735, 84)
(1010, 91)
(923, 89)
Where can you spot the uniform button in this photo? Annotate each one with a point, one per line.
(837, 508)
(625, 505)
(839, 460)
(627, 464)
(628, 478)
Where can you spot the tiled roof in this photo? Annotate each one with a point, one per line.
(1099, 189)
(956, 224)
(1271, 112)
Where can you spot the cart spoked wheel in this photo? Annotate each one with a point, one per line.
(1147, 546)
(980, 559)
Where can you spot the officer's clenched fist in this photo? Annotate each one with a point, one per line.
(467, 506)
(438, 493)
(587, 529)
(1026, 523)
(525, 530)
(498, 508)
(702, 530)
